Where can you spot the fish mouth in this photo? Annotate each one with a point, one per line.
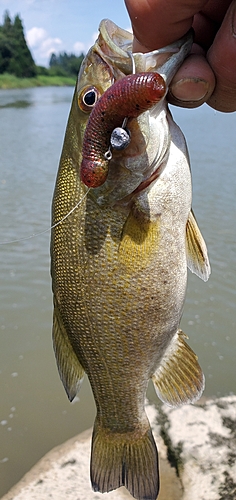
(134, 169)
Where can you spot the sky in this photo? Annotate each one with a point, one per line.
(63, 25)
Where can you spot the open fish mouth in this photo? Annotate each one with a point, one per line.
(116, 163)
(127, 98)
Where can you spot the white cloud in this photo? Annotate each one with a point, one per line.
(79, 47)
(35, 36)
(42, 45)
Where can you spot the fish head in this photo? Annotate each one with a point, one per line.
(108, 61)
(104, 63)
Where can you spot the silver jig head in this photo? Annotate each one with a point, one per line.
(120, 138)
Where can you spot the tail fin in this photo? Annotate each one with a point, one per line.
(128, 459)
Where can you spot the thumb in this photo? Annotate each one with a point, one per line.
(222, 59)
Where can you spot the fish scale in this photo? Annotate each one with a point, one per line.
(119, 263)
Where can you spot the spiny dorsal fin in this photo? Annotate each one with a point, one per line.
(69, 367)
(179, 378)
(197, 258)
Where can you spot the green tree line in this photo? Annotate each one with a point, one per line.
(65, 64)
(16, 58)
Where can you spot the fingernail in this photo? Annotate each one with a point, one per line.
(189, 89)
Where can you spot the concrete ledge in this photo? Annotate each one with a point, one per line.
(202, 444)
(197, 451)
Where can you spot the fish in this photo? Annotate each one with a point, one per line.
(123, 236)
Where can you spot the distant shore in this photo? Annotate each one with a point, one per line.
(8, 81)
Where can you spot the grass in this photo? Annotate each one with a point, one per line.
(8, 81)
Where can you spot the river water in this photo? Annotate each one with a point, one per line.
(35, 414)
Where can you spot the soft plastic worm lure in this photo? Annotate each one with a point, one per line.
(126, 98)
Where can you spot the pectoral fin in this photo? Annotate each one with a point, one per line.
(179, 378)
(69, 367)
(197, 258)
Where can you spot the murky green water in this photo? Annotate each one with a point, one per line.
(35, 414)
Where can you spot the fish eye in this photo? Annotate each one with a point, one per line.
(88, 98)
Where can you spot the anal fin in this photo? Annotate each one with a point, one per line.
(179, 378)
(69, 367)
(197, 257)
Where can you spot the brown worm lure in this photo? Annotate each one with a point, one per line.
(126, 98)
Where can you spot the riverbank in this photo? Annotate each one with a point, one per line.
(64, 473)
(196, 446)
(8, 81)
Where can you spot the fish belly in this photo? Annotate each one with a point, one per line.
(121, 299)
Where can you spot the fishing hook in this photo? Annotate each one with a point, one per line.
(120, 136)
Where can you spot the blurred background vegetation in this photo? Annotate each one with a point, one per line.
(17, 63)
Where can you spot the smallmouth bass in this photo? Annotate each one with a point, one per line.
(119, 261)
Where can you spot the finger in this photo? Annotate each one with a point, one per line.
(193, 83)
(157, 23)
(222, 58)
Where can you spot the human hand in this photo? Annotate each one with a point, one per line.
(209, 73)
